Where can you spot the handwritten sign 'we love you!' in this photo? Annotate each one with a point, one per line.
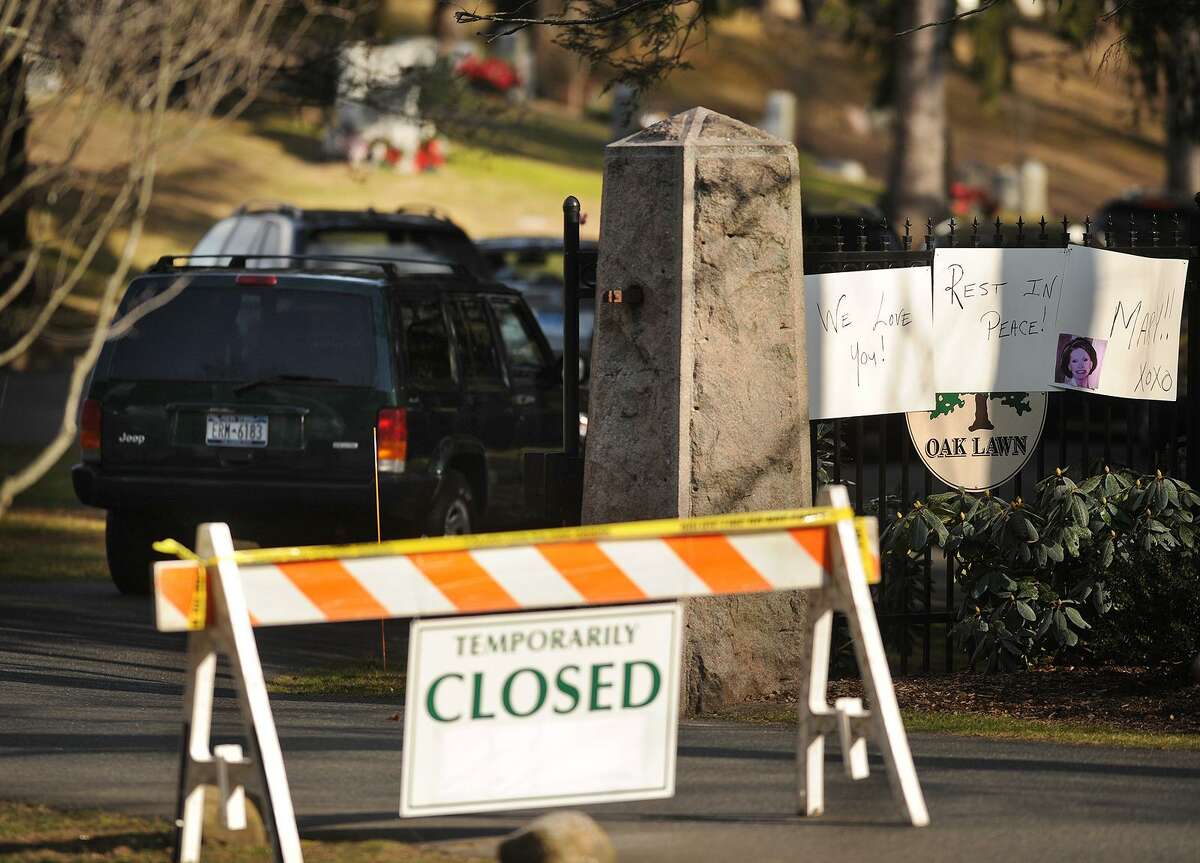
(870, 337)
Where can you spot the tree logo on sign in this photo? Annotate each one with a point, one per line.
(985, 451)
(947, 403)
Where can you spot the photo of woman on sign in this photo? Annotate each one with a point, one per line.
(1078, 361)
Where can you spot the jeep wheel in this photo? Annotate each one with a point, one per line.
(127, 540)
(453, 512)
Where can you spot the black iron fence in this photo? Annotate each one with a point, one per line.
(875, 455)
(1083, 432)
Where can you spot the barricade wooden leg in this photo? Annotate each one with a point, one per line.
(853, 743)
(197, 727)
(854, 599)
(812, 724)
(229, 631)
(237, 639)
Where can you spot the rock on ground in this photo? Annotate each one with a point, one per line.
(561, 837)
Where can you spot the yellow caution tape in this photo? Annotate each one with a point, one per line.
(651, 529)
(171, 546)
(867, 530)
(198, 610)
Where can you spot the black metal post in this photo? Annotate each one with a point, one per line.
(570, 356)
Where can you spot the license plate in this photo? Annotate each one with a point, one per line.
(235, 430)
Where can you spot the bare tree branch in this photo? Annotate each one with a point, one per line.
(153, 63)
(979, 10)
(462, 16)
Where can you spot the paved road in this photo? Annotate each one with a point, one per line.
(89, 705)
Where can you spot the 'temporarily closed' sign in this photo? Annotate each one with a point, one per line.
(543, 709)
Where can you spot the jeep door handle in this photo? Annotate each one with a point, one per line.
(523, 399)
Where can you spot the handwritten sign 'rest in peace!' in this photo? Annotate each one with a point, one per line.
(994, 313)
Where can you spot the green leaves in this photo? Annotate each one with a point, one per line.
(1031, 573)
(1075, 617)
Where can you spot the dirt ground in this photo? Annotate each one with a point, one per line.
(1135, 699)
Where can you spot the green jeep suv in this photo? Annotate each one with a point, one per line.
(319, 401)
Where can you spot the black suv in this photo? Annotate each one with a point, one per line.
(280, 399)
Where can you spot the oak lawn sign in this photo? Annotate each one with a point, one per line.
(977, 441)
(519, 710)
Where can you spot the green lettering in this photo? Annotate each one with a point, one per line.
(655, 683)
(429, 699)
(594, 699)
(566, 689)
(477, 698)
(506, 694)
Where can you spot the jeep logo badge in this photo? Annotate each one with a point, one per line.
(977, 441)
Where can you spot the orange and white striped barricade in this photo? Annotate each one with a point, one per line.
(219, 595)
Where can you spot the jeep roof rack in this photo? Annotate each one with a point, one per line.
(417, 209)
(166, 263)
(254, 206)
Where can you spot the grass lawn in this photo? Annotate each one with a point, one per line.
(48, 535)
(368, 680)
(997, 727)
(1046, 731)
(30, 833)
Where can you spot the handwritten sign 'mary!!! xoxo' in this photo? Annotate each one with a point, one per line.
(1120, 320)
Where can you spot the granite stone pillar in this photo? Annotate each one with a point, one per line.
(699, 395)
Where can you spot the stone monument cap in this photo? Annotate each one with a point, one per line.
(700, 127)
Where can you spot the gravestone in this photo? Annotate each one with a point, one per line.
(699, 395)
(779, 115)
(624, 118)
(517, 50)
(1034, 181)
(1006, 188)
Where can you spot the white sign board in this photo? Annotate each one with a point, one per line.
(1118, 327)
(869, 337)
(544, 709)
(994, 313)
(977, 441)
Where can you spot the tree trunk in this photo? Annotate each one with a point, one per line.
(14, 117)
(442, 25)
(14, 227)
(561, 75)
(982, 421)
(1183, 111)
(916, 183)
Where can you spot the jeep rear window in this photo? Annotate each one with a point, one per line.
(436, 247)
(218, 333)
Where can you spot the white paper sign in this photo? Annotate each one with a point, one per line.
(994, 314)
(1118, 327)
(545, 709)
(869, 342)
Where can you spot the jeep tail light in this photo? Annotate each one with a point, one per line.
(255, 280)
(89, 428)
(391, 440)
